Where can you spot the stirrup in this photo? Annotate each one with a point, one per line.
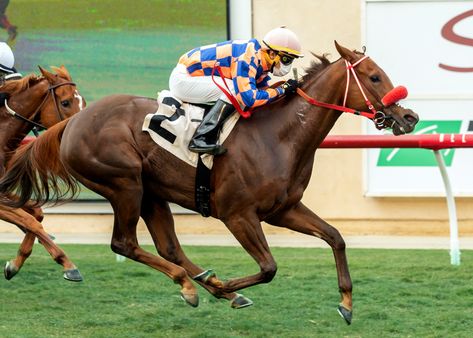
(211, 149)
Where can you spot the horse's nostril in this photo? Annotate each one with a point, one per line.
(411, 119)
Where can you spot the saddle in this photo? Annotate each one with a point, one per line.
(174, 123)
(172, 128)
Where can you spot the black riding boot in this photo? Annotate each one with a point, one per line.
(206, 136)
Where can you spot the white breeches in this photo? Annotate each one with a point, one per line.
(196, 89)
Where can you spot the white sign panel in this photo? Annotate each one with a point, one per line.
(426, 46)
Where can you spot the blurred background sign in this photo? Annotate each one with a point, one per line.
(432, 55)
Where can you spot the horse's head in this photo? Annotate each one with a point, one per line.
(370, 88)
(63, 99)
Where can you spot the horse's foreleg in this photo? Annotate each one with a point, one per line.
(13, 267)
(26, 247)
(27, 222)
(247, 230)
(158, 218)
(301, 219)
(126, 206)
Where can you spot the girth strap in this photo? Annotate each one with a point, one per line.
(202, 189)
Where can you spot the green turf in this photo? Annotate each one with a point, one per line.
(397, 293)
(114, 46)
(62, 15)
(111, 62)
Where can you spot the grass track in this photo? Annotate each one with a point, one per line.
(405, 293)
(120, 14)
(113, 46)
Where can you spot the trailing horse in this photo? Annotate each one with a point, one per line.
(32, 103)
(262, 177)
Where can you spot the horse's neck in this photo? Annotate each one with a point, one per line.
(13, 130)
(307, 125)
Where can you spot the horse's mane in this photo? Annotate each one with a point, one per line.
(316, 67)
(17, 86)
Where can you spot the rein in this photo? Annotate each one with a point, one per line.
(37, 126)
(378, 117)
(227, 92)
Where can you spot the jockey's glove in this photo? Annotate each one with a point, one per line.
(290, 86)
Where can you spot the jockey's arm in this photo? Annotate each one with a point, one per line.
(248, 92)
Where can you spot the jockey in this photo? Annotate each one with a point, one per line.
(245, 65)
(7, 70)
(7, 61)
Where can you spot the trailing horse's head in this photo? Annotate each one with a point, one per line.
(368, 86)
(63, 98)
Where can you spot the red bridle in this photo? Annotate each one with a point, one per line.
(378, 117)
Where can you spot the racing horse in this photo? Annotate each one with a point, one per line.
(262, 176)
(34, 103)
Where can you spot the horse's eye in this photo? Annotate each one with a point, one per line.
(65, 103)
(375, 78)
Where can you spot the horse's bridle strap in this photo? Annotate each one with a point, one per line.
(50, 91)
(378, 117)
(18, 116)
(343, 109)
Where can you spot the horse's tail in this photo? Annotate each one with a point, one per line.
(35, 172)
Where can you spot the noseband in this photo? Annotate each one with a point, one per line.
(379, 117)
(37, 126)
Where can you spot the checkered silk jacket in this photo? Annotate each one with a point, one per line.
(242, 62)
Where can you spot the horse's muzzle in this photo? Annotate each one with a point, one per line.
(401, 120)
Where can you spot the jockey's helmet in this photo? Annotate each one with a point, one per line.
(283, 41)
(7, 59)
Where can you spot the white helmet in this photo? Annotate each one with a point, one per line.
(284, 40)
(7, 59)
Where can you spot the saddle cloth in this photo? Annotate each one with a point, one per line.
(172, 128)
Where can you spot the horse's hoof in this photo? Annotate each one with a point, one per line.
(204, 276)
(10, 270)
(73, 275)
(345, 313)
(240, 302)
(191, 299)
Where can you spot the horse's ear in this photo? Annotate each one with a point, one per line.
(47, 74)
(345, 53)
(62, 72)
(65, 72)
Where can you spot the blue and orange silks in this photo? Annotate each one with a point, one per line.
(242, 62)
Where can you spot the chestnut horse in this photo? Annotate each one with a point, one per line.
(262, 177)
(34, 102)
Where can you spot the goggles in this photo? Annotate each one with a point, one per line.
(286, 59)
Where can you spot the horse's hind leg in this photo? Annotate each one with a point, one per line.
(303, 220)
(24, 220)
(160, 223)
(126, 206)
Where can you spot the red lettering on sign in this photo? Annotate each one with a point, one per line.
(449, 34)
